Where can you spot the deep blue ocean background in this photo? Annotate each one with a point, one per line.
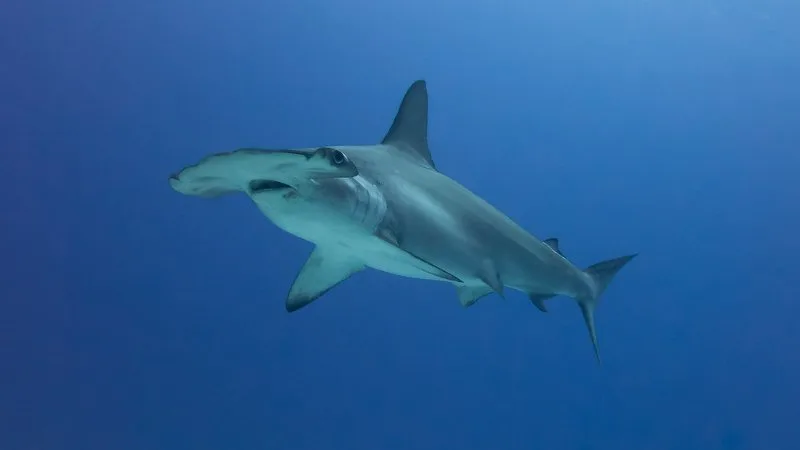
(135, 318)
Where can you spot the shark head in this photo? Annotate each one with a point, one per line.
(246, 169)
(311, 193)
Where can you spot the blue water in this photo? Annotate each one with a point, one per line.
(132, 317)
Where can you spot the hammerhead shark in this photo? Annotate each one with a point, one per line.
(387, 207)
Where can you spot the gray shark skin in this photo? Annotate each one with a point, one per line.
(386, 207)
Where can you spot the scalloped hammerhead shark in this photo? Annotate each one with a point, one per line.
(386, 206)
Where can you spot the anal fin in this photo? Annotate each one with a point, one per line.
(324, 269)
(538, 300)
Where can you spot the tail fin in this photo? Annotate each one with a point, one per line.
(601, 275)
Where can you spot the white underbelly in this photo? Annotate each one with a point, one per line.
(380, 255)
(385, 257)
(369, 249)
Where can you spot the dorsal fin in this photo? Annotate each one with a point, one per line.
(553, 243)
(409, 131)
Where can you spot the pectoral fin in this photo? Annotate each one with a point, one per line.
(324, 269)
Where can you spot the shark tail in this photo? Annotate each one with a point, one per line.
(600, 275)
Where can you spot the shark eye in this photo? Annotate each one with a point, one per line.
(338, 158)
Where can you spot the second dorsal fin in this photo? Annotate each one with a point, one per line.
(553, 243)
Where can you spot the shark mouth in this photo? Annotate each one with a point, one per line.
(258, 186)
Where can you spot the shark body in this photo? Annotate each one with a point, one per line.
(386, 206)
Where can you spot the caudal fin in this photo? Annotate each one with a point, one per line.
(601, 275)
